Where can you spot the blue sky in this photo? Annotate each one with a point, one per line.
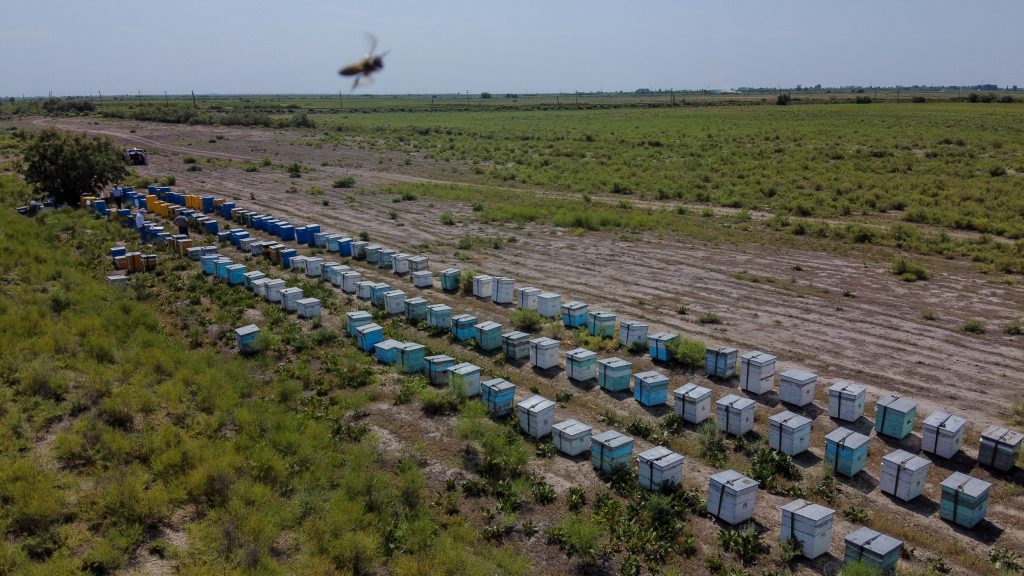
(256, 46)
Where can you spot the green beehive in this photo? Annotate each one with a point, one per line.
(964, 499)
(894, 416)
(488, 335)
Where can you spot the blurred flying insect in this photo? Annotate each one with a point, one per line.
(368, 65)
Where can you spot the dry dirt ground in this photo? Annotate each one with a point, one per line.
(878, 337)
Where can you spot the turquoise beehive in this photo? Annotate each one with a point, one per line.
(574, 314)
(236, 274)
(658, 345)
(964, 499)
(356, 319)
(601, 324)
(488, 336)
(610, 450)
(894, 416)
(436, 368)
(846, 451)
(368, 335)
(515, 345)
(614, 374)
(581, 364)
(386, 351)
(416, 310)
(248, 337)
(209, 263)
(721, 362)
(498, 395)
(872, 548)
(450, 279)
(650, 388)
(377, 292)
(410, 357)
(463, 327)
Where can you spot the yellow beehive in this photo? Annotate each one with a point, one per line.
(122, 262)
(136, 261)
(218, 201)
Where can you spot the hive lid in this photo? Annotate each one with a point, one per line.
(894, 402)
(463, 317)
(809, 510)
(530, 290)
(629, 323)
(482, 277)
(419, 259)
(465, 368)
(603, 315)
(504, 279)
(235, 266)
(372, 326)
(394, 293)
(488, 325)
(692, 391)
(412, 346)
(351, 273)
(275, 282)
(292, 290)
(945, 420)
(617, 440)
(615, 362)
(906, 460)
(438, 358)
(358, 314)
(758, 357)
(246, 330)
(572, 427)
(544, 342)
(798, 375)
(967, 484)
(515, 335)
(660, 455)
(790, 419)
(420, 273)
(876, 542)
(388, 344)
(734, 480)
(735, 401)
(662, 336)
(580, 354)
(574, 305)
(381, 286)
(401, 256)
(846, 437)
(450, 271)
(650, 377)
(498, 384)
(416, 300)
(305, 301)
(1002, 435)
(723, 350)
(547, 295)
(536, 403)
(845, 386)
(440, 307)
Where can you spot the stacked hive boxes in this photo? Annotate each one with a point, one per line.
(463, 327)
(999, 448)
(735, 415)
(437, 368)
(650, 388)
(571, 437)
(659, 467)
(574, 314)
(410, 357)
(846, 451)
(693, 403)
(894, 416)
(483, 286)
(422, 279)
(544, 353)
(548, 304)
(356, 319)
(488, 335)
(601, 324)
(581, 364)
(872, 548)
(515, 345)
(732, 497)
(632, 333)
(386, 351)
(613, 374)
(498, 395)
(904, 474)
(415, 310)
(796, 387)
(465, 378)
(248, 337)
(368, 335)
(789, 433)
(610, 450)
(307, 307)
(964, 499)
(720, 362)
(658, 345)
(809, 524)
(942, 434)
(504, 289)
(290, 298)
(450, 279)
(757, 372)
(439, 316)
(536, 415)
(846, 400)
(526, 298)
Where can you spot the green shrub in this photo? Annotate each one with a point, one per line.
(746, 543)
(1014, 328)
(577, 536)
(688, 352)
(346, 182)
(709, 318)
(973, 327)
(860, 569)
(907, 270)
(447, 219)
(526, 320)
(712, 444)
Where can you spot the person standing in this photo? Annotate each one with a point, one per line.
(182, 223)
(118, 196)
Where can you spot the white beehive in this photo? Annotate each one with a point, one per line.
(796, 387)
(314, 266)
(419, 263)
(632, 332)
(536, 415)
(423, 279)
(504, 289)
(465, 378)
(400, 263)
(693, 403)
(483, 286)
(942, 434)
(549, 304)
(581, 364)
(789, 433)
(364, 289)
(571, 437)
(846, 400)
(659, 466)
(308, 307)
(544, 352)
(999, 448)
(809, 524)
(298, 264)
(394, 302)
(290, 298)
(732, 497)
(259, 286)
(274, 288)
(757, 372)
(350, 281)
(527, 297)
(904, 474)
(735, 414)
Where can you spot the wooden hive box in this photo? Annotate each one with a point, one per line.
(415, 310)
(757, 372)
(692, 403)
(789, 433)
(543, 353)
(290, 298)
(581, 364)
(377, 292)
(809, 524)
(872, 548)
(658, 345)
(526, 298)
(364, 289)
(632, 333)
(236, 274)
(419, 263)
(359, 249)
(423, 279)
(483, 286)
(659, 467)
(386, 351)
(613, 374)
(436, 368)
(796, 387)
(964, 499)
(894, 416)
(350, 281)
(332, 273)
(601, 324)
(372, 253)
(385, 258)
(450, 279)
(536, 415)
(465, 378)
(499, 395)
(274, 288)
(515, 345)
(368, 335)
(410, 357)
(209, 263)
(297, 264)
(248, 339)
(571, 437)
(308, 307)
(610, 450)
(942, 434)
(314, 266)
(650, 388)
(846, 400)
(400, 262)
(504, 290)
(251, 277)
(463, 327)
(732, 497)
(574, 314)
(488, 335)
(735, 415)
(999, 448)
(355, 319)
(904, 474)
(720, 362)
(439, 316)
(846, 451)
(549, 304)
(259, 287)
(394, 302)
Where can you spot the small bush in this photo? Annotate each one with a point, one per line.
(997, 171)
(709, 318)
(973, 327)
(447, 219)
(189, 160)
(526, 320)
(687, 352)
(712, 444)
(346, 182)
(746, 543)
(908, 271)
(1014, 328)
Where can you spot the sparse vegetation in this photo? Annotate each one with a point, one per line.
(908, 271)
(345, 182)
(973, 327)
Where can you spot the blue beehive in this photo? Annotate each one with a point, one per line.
(286, 232)
(313, 230)
(658, 345)
(610, 450)
(581, 364)
(574, 314)
(601, 324)
(220, 267)
(248, 337)
(964, 499)
(463, 327)
(100, 206)
(303, 235)
(436, 368)
(488, 336)
(207, 204)
(613, 374)
(498, 395)
(286, 255)
(345, 247)
(721, 362)
(211, 227)
(846, 451)
(416, 310)
(236, 274)
(450, 279)
(225, 209)
(372, 252)
(894, 416)
(125, 216)
(118, 251)
(386, 351)
(356, 319)
(209, 262)
(410, 357)
(650, 388)
(377, 292)
(237, 234)
(439, 316)
(368, 335)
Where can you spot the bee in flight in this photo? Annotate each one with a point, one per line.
(365, 67)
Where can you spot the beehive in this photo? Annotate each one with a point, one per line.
(235, 273)
(809, 524)
(692, 403)
(488, 335)
(364, 289)
(613, 374)
(334, 242)
(571, 437)
(350, 281)
(439, 316)
(346, 247)
(332, 272)
(274, 288)
(504, 290)
(732, 497)
(195, 253)
(117, 280)
(789, 433)
(419, 263)
(526, 298)
(372, 253)
(872, 548)
(846, 451)
(385, 258)
(377, 292)
(942, 434)
(543, 353)
(285, 257)
(465, 378)
(450, 279)
(536, 415)
(290, 298)
(314, 266)
(245, 244)
(369, 335)
(251, 277)
(796, 387)
(894, 416)
(221, 268)
(610, 450)
(964, 499)
(259, 287)
(422, 279)
(549, 304)
(394, 302)
(601, 324)
(515, 345)
(308, 308)
(400, 263)
(581, 364)
(659, 467)
(650, 388)
(483, 286)
(999, 448)
(498, 395)
(720, 362)
(386, 351)
(574, 314)
(846, 400)
(904, 474)
(355, 319)
(436, 368)
(410, 357)
(735, 414)
(359, 249)
(248, 337)
(297, 264)
(658, 345)
(416, 310)
(757, 372)
(463, 327)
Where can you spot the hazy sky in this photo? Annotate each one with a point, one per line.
(256, 46)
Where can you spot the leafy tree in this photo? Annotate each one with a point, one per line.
(65, 165)
(782, 99)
